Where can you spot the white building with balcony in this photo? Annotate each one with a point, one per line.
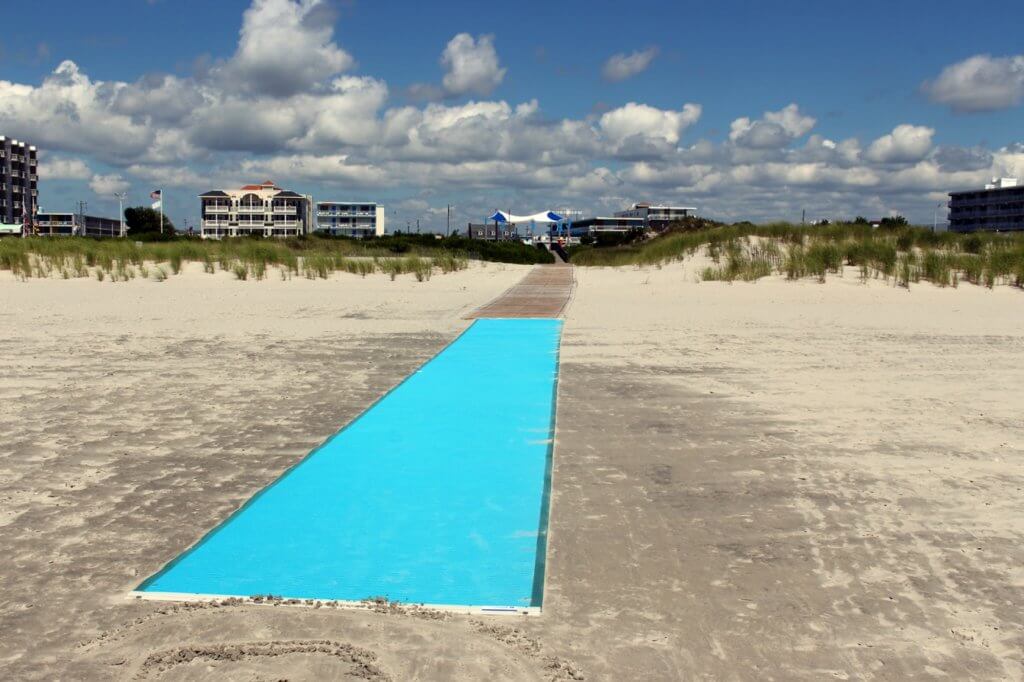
(264, 210)
(350, 218)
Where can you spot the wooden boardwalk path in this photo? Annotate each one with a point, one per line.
(544, 292)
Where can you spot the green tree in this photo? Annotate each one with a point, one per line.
(142, 220)
(894, 221)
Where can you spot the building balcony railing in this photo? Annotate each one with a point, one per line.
(988, 210)
(286, 210)
(212, 208)
(252, 209)
(286, 223)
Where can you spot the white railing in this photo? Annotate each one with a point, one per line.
(211, 208)
(252, 209)
(286, 223)
(286, 210)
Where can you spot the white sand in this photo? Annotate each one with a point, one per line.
(890, 421)
(775, 480)
(219, 304)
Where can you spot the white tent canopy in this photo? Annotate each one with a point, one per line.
(542, 217)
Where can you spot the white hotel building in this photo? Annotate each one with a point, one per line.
(263, 209)
(350, 218)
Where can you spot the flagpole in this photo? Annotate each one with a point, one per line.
(161, 211)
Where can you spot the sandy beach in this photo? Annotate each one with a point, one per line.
(771, 480)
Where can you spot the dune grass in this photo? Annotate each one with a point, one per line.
(904, 256)
(247, 259)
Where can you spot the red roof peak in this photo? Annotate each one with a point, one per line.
(267, 184)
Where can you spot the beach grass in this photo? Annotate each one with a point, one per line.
(903, 255)
(314, 258)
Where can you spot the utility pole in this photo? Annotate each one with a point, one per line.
(417, 226)
(448, 229)
(803, 216)
(121, 196)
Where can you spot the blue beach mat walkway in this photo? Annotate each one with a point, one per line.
(437, 494)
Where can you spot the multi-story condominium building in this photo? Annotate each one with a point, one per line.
(350, 218)
(19, 176)
(263, 209)
(656, 217)
(998, 207)
(49, 224)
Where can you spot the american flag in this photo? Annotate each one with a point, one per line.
(156, 194)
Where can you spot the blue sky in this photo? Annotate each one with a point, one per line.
(871, 107)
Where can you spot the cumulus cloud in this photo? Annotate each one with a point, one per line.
(63, 169)
(905, 144)
(641, 122)
(621, 66)
(333, 129)
(284, 47)
(979, 83)
(962, 158)
(106, 185)
(70, 112)
(775, 129)
(159, 97)
(471, 65)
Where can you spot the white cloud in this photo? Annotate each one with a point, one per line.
(330, 130)
(314, 168)
(598, 181)
(70, 112)
(621, 66)
(980, 83)
(159, 97)
(962, 158)
(284, 47)
(106, 185)
(643, 123)
(346, 114)
(905, 144)
(471, 65)
(63, 169)
(774, 130)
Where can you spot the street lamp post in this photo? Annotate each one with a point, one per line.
(121, 196)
